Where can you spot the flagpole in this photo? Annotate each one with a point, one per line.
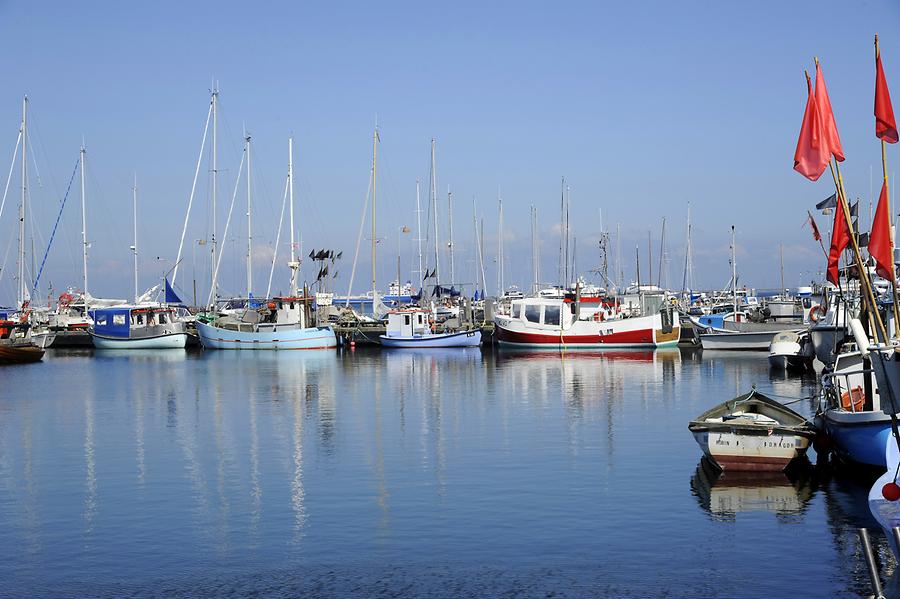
(860, 265)
(887, 196)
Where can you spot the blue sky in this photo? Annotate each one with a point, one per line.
(642, 107)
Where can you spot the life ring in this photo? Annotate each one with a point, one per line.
(816, 313)
(854, 399)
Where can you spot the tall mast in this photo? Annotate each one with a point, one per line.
(215, 184)
(500, 246)
(568, 200)
(22, 294)
(687, 282)
(650, 256)
(433, 192)
(84, 243)
(781, 247)
(562, 232)
(733, 273)
(534, 251)
(450, 243)
(374, 188)
(419, 232)
(662, 279)
(134, 248)
(620, 272)
(293, 264)
(249, 225)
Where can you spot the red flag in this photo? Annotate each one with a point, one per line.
(830, 137)
(840, 237)
(812, 155)
(815, 229)
(885, 124)
(880, 246)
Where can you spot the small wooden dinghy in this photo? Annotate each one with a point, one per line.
(752, 432)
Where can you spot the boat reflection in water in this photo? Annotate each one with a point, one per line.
(726, 494)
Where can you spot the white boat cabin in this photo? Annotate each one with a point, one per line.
(546, 312)
(408, 323)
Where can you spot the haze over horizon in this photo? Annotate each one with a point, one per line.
(642, 108)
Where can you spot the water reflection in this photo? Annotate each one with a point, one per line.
(726, 494)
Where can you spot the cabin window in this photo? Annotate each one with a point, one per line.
(101, 321)
(551, 315)
(162, 318)
(533, 313)
(292, 305)
(280, 305)
(118, 319)
(139, 318)
(517, 311)
(406, 320)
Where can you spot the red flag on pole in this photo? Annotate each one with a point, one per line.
(880, 246)
(840, 237)
(885, 124)
(830, 135)
(812, 154)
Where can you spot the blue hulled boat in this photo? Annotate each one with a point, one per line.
(857, 431)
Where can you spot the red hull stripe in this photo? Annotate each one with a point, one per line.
(638, 337)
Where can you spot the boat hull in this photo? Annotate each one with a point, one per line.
(757, 453)
(859, 437)
(643, 331)
(752, 433)
(20, 354)
(212, 337)
(757, 341)
(461, 339)
(171, 341)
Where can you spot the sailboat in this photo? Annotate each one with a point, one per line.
(141, 325)
(735, 333)
(282, 323)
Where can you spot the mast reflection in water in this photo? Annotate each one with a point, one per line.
(448, 472)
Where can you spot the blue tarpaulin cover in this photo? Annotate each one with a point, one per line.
(111, 322)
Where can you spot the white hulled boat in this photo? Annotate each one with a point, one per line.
(138, 327)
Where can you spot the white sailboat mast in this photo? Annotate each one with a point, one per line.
(84, 242)
(215, 184)
(249, 225)
(433, 191)
(450, 243)
(22, 205)
(734, 273)
(419, 232)
(293, 264)
(500, 285)
(374, 189)
(134, 248)
(534, 251)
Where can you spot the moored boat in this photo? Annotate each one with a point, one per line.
(16, 346)
(752, 432)
(791, 350)
(410, 328)
(556, 324)
(138, 327)
(855, 425)
(280, 325)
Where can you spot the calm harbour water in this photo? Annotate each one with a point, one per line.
(404, 473)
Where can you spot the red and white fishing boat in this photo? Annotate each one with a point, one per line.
(557, 324)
